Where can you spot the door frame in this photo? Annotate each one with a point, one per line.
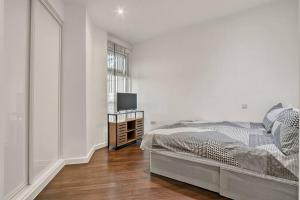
(51, 10)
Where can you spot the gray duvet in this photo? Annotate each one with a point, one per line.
(244, 145)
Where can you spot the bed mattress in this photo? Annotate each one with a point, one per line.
(240, 144)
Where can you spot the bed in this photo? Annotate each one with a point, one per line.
(239, 160)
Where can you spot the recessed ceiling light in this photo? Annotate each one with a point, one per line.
(120, 11)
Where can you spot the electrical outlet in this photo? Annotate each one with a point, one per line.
(244, 106)
(153, 122)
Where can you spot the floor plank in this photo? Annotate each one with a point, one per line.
(122, 174)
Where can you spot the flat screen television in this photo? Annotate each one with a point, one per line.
(126, 101)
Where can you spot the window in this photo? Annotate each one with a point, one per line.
(118, 79)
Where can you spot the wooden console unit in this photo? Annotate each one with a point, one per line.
(123, 130)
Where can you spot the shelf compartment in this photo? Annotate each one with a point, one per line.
(131, 135)
(131, 125)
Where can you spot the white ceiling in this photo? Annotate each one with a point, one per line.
(145, 19)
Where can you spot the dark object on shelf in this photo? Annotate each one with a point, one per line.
(126, 101)
(124, 130)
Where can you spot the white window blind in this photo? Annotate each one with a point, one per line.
(118, 79)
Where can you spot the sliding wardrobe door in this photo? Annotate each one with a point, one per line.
(14, 97)
(45, 89)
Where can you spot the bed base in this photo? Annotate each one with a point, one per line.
(231, 182)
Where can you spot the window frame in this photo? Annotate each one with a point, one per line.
(117, 70)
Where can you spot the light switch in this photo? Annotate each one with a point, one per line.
(244, 106)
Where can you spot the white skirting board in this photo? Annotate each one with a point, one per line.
(29, 192)
(85, 159)
(230, 182)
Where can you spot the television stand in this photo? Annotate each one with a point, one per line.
(124, 128)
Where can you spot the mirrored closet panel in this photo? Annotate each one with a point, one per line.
(30, 98)
(14, 96)
(45, 89)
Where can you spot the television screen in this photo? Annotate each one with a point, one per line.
(126, 101)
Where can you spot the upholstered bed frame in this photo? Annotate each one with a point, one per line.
(228, 181)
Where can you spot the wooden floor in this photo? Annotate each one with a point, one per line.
(123, 174)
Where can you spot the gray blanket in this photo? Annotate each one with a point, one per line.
(244, 145)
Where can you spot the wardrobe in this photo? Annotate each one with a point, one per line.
(31, 96)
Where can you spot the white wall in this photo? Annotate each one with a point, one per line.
(2, 105)
(96, 108)
(208, 70)
(74, 82)
(119, 41)
(89, 66)
(299, 45)
(84, 83)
